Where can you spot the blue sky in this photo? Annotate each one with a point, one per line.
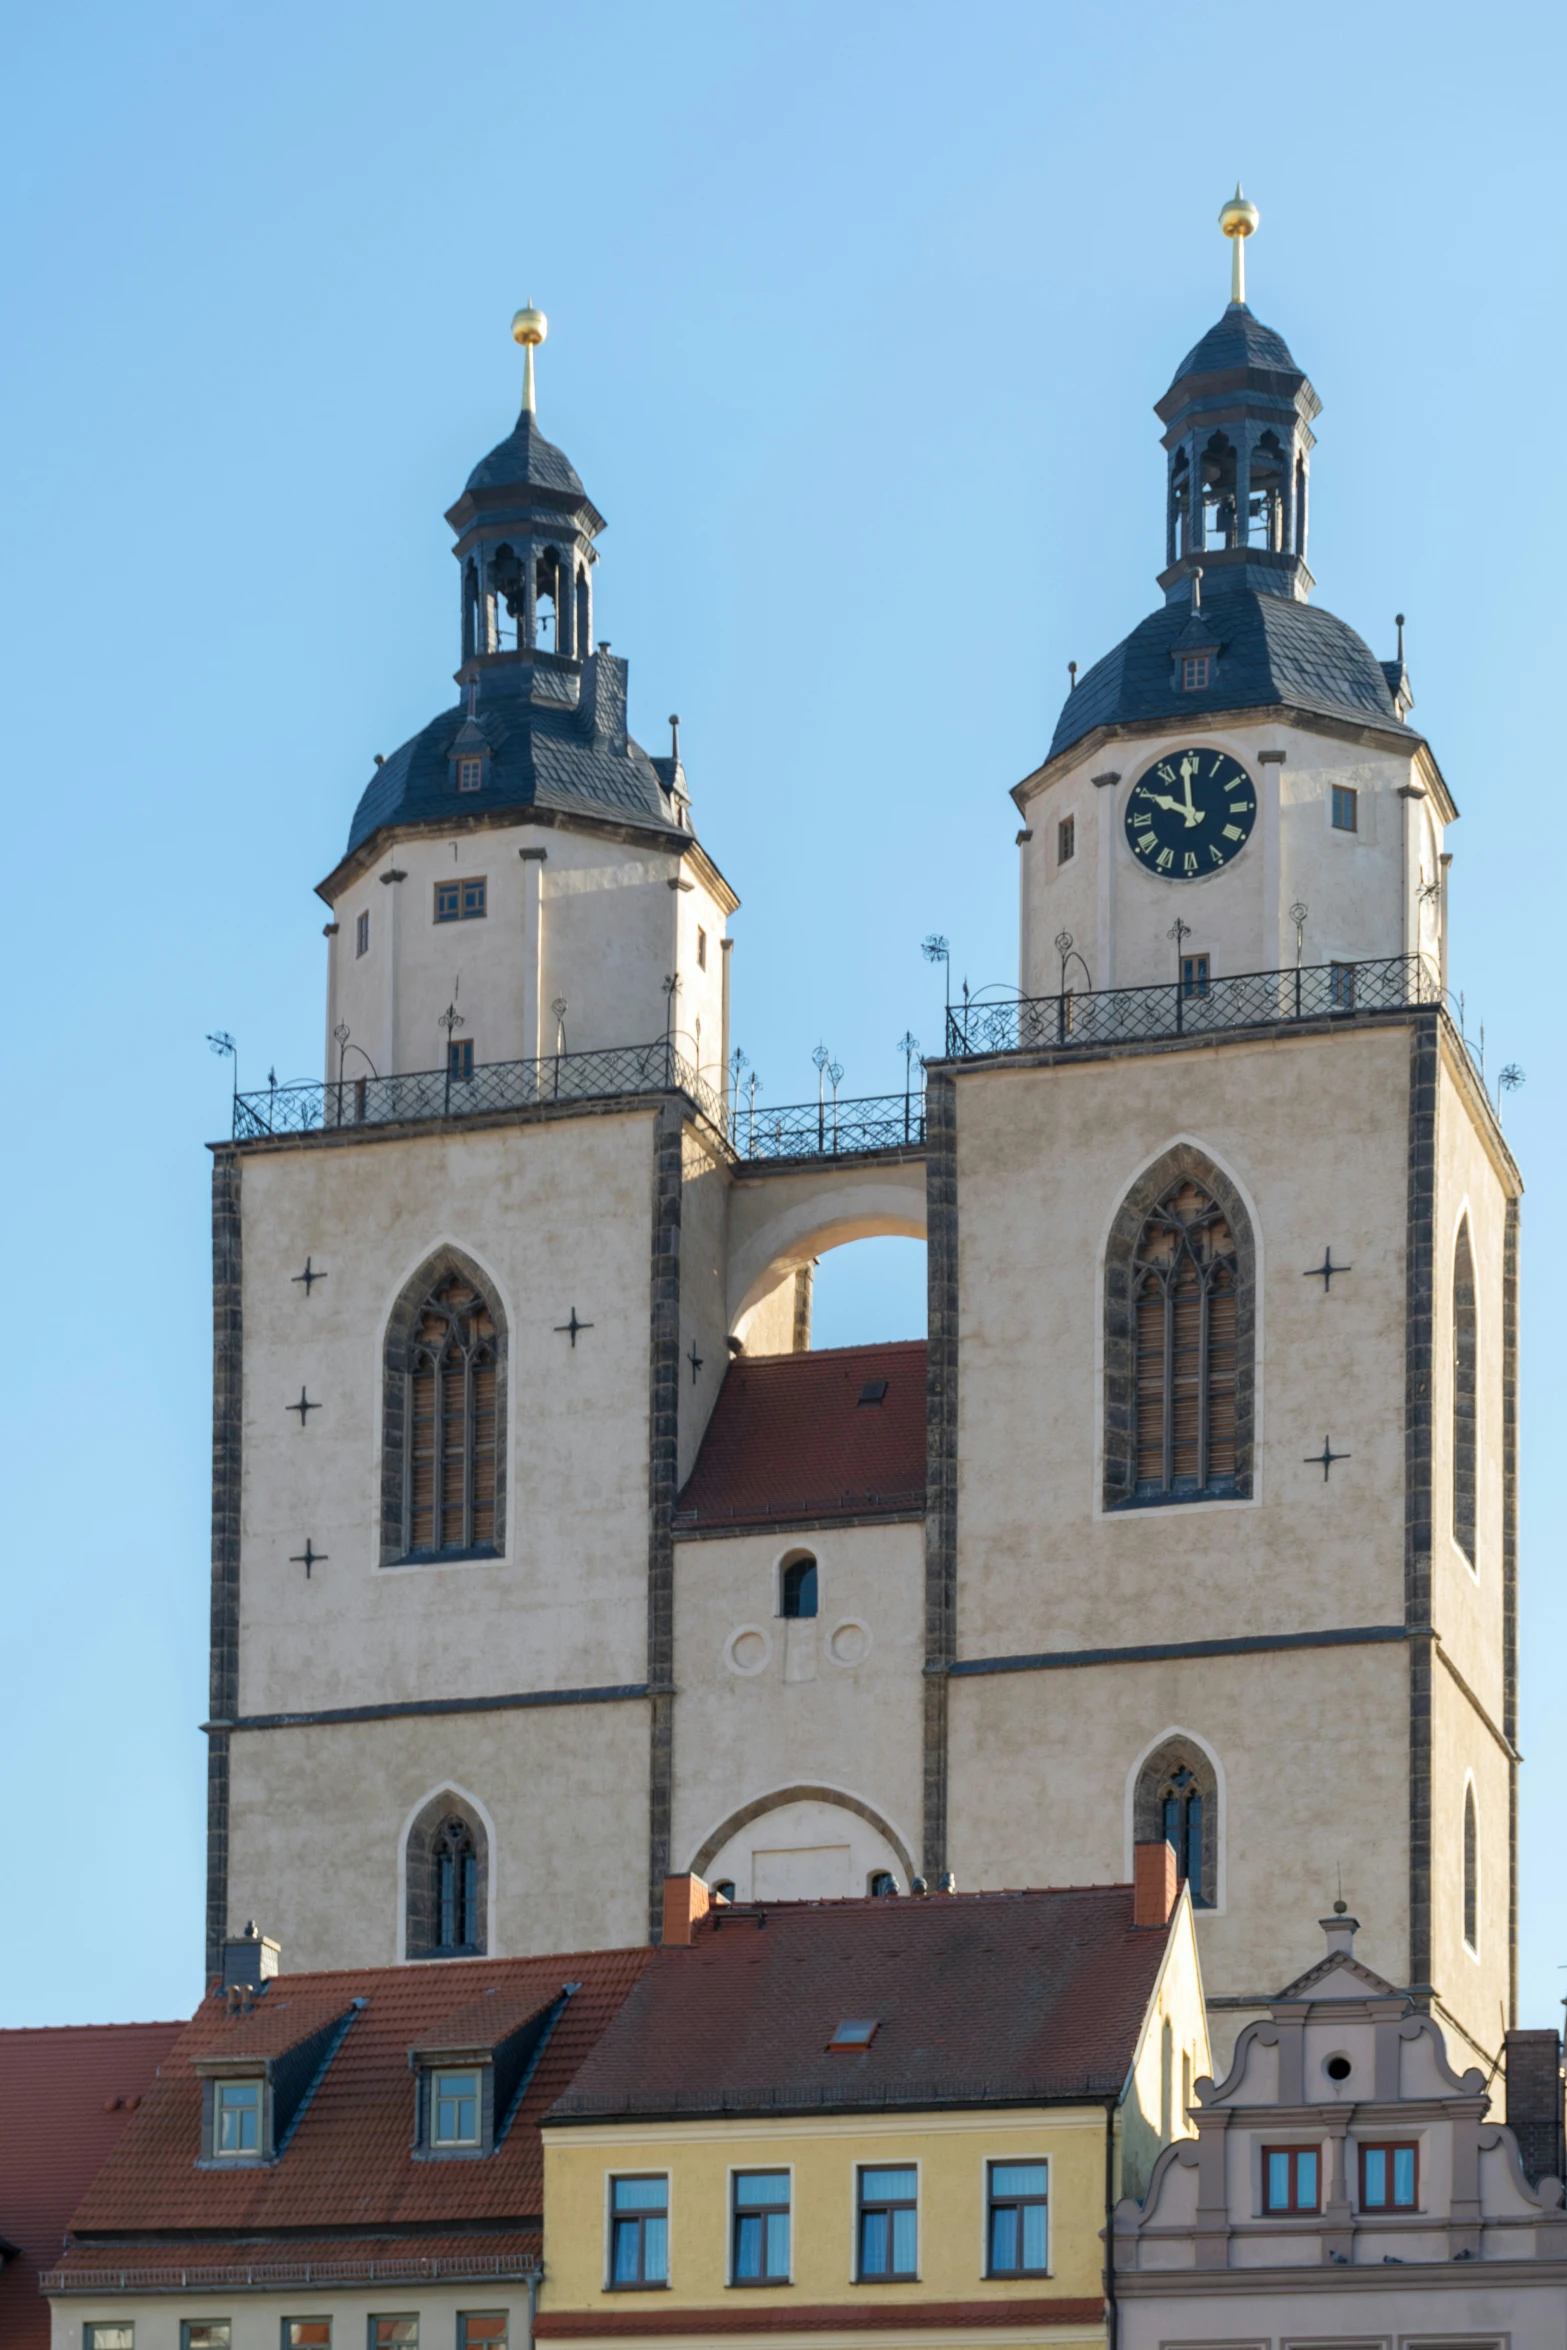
(857, 316)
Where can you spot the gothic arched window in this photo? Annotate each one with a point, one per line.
(1177, 1798)
(1471, 1870)
(1465, 1350)
(446, 1874)
(443, 1466)
(1179, 1340)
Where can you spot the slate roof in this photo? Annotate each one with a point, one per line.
(65, 2097)
(1271, 650)
(789, 1438)
(542, 755)
(1237, 340)
(526, 456)
(1024, 1997)
(348, 2163)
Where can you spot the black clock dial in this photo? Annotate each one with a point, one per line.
(1190, 814)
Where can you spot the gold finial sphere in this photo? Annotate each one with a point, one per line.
(1239, 217)
(530, 326)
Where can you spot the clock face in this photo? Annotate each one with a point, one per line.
(1190, 814)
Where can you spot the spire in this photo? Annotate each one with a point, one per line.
(1238, 219)
(529, 328)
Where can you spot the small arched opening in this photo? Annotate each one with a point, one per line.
(446, 1880)
(1265, 495)
(797, 1585)
(1218, 525)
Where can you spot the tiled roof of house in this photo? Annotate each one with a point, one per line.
(981, 1998)
(798, 1436)
(348, 2163)
(65, 2097)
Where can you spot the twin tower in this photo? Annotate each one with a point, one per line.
(550, 1559)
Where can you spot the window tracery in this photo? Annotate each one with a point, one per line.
(1177, 1799)
(443, 1459)
(446, 1881)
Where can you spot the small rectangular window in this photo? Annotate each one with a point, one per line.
(481, 2329)
(1019, 2205)
(394, 2333)
(639, 2232)
(115, 2334)
(1289, 2178)
(1194, 673)
(236, 2117)
(459, 1058)
(470, 774)
(889, 2223)
(455, 2098)
(701, 948)
(761, 2228)
(1346, 808)
(307, 2333)
(362, 933)
(205, 2333)
(460, 901)
(1341, 986)
(1194, 975)
(1066, 840)
(1389, 2178)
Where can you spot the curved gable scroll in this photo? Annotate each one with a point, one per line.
(443, 1420)
(1180, 1338)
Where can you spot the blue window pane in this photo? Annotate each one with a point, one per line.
(748, 2247)
(873, 2244)
(1376, 2177)
(1018, 2178)
(1003, 2239)
(765, 2186)
(1278, 2182)
(641, 2194)
(655, 2250)
(778, 2243)
(624, 2265)
(904, 2239)
(887, 2186)
(1034, 2244)
(1306, 2177)
(1404, 2175)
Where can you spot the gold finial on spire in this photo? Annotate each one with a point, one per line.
(1238, 219)
(529, 328)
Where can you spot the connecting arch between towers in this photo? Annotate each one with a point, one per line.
(781, 1221)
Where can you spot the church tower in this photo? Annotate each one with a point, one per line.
(1231, 1268)
(548, 1557)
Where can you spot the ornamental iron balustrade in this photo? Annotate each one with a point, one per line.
(821, 1129)
(1198, 1005)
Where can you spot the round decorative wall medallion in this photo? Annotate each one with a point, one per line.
(849, 1643)
(747, 1651)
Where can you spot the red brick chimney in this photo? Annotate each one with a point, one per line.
(686, 1900)
(1154, 1885)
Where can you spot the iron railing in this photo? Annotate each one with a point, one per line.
(270, 2276)
(828, 1129)
(1195, 1007)
(491, 1085)
(813, 1130)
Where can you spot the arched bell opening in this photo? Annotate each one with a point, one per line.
(1217, 525)
(506, 601)
(546, 599)
(1265, 495)
(1178, 517)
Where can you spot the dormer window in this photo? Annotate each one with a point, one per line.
(470, 774)
(1195, 672)
(236, 2118)
(456, 2106)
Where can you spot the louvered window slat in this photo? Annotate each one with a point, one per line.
(1186, 1348)
(452, 1425)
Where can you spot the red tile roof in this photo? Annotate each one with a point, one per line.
(789, 1438)
(65, 2097)
(349, 2162)
(978, 1998)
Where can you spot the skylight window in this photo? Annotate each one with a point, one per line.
(874, 1391)
(854, 2034)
